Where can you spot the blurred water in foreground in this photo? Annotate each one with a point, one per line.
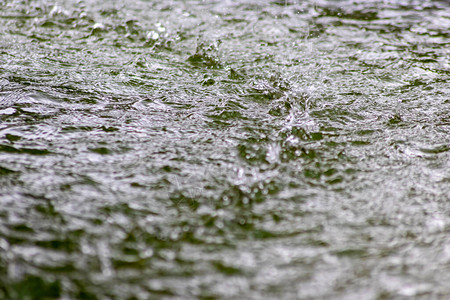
(224, 149)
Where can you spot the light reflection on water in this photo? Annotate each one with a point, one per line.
(237, 149)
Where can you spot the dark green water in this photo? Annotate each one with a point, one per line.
(225, 149)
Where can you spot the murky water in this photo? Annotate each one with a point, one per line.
(225, 149)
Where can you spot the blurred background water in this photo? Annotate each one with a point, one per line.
(224, 149)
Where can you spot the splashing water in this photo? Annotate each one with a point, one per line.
(224, 149)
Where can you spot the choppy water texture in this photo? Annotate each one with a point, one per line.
(224, 149)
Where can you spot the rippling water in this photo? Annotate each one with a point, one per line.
(224, 149)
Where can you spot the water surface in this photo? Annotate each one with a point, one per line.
(224, 149)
